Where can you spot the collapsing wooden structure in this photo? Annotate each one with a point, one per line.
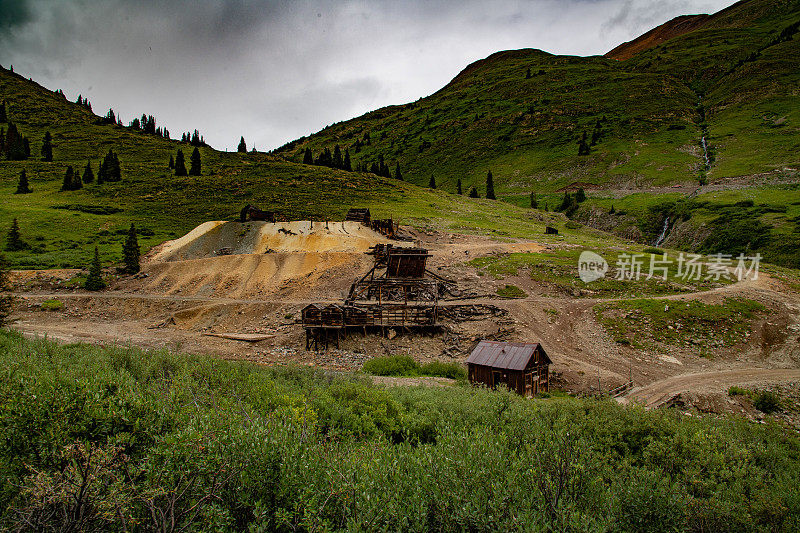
(398, 292)
(385, 227)
(522, 367)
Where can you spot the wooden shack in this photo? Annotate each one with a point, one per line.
(522, 367)
(359, 215)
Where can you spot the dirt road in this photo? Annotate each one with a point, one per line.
(660, 392)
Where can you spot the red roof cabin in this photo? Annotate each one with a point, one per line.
(522, 367)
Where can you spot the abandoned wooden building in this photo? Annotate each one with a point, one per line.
(400, 296)
(522, 367)
(358, 215)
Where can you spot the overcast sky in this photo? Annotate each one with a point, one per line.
(275, 71)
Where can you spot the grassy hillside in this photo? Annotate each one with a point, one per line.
(121, 439)
(62, 228)
(741, 65)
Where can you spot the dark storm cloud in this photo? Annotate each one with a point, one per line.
(13, 13)
(274, 71)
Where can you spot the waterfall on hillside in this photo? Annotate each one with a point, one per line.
(706, 160)
(663, 232)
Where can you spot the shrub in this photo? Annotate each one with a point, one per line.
(511, 291)
(767, 402)
(51, 305)
(392, 365)
(445, 370)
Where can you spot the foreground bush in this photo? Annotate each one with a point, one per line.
(122, 439)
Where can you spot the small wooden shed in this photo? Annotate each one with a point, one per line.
(359, 215)
(522, 367)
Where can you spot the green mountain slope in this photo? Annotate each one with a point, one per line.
(62, 228)
(741, 65)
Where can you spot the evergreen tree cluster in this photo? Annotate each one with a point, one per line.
(3, 113)
(194, 139)
(111, 118)
(109, 168)
(242, 148)
(585, 143)
(569, 203)
(84, 102)
(14, 145)
(329, 159)
(147, 124)
(72, 180)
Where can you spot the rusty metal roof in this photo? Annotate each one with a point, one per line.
(508, 355)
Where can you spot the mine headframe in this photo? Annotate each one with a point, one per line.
(251, 212)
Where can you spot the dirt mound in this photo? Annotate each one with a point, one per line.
(290, 275)
(220, 238)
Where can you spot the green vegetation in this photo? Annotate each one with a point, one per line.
(690, 324)
(405, 366)
(135, 186)
(557, 273)
(511, 291)
(765, 401)
(739, 221)
(732, 80)
(51, 305)
(124, 439)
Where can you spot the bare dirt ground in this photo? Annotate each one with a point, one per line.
(228, 278)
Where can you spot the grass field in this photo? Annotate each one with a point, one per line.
(118, 438)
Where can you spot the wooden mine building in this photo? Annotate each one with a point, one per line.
(522, 367)
(400, 297)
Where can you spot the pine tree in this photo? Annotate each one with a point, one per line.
(66, 185)
(308, 157)
(432, 183)
(171, 161)
(14, 242)
(14, 147)
(583, 148)
(109, 168)
(3, 114)
(130, 252)
(580, 196)
(612, 210)
(490, 187)
(94, 281)
(6, 298)
(47, 147)
(22, 186)
(338, 162)
(473, 193)
(180, 165)
(194, 163)
(347, 165)
(242, 148)
(397, 174)
(528, 74)
(534, 201)
(566, 202)
(458, 186)
(88, 174)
